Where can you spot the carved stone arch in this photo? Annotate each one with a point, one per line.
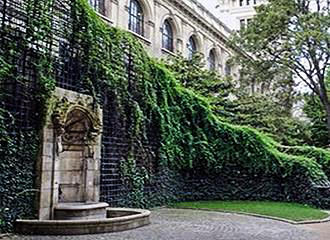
(174, 23)
(63, 117)
(226, 63)
(216, 50)
(147, 9)
(81, 126)
(198, 39)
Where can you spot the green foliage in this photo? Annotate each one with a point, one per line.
(17, 172)
(321, 156)
(269, 112)
(19, 147)
(317, 117)
(135, 179)
(290, 37)
(191, 136)
(269, 116)
(193, 74)
(4, 68)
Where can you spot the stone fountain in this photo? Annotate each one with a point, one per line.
(69, 174)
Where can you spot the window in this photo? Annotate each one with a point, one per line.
(245, 22)
(242, 23)
(192, 47)
(227, 69)
(254, 2)
(212, 60)
(247, 2)
(241, 3)
(135, 23)
(95, 4)
(167, 36)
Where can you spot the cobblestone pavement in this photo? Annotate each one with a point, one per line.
(322, 229)
(179, 224)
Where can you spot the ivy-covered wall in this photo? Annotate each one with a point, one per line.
(161, 142)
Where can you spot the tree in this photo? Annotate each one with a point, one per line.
(193, 74)
(316, 114)
(269, 114)
(292, 35)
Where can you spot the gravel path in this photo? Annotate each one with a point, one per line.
(179, 224)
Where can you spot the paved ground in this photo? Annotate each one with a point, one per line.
(174, 224)
(321, 229)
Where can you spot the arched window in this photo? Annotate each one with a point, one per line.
(192, 47)
(95, 4)
(136, 17)
(227, 69)
(168, 36)
(212, 60)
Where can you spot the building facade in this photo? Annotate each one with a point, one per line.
(240, 11)
(170, 27)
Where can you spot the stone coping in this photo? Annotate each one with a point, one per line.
(265, 216)
(5, 235)
(136, 218)
(80, 206)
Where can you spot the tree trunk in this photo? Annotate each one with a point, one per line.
(327, 108)
(323, 94)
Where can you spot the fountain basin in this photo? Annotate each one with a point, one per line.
(80, 211)
(118, 219)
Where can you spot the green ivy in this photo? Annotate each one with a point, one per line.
(192, 136)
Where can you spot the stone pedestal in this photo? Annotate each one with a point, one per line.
(69, 166)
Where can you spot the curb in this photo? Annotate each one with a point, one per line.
(4, 235)
(266, 217)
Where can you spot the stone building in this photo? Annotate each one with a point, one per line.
(169, 27)
(239, 12)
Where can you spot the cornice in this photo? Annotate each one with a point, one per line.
(200, 20)
(204, 24)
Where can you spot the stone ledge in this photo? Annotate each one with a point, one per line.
(82, 206)
(265, 217)
(91, 226)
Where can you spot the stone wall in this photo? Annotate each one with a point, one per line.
(188, 18)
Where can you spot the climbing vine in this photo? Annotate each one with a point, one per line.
(115, 69)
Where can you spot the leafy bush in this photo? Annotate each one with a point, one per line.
(321, 156)
(317, 116)
(269, 116)
(191, 137)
